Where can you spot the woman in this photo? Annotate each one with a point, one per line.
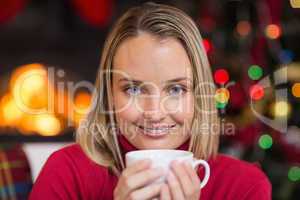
(154, 90)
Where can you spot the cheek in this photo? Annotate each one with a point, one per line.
(120, 102)
(184, 109)
(124, 109)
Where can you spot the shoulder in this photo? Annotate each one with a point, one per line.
(240, 167)
(243, 178)
(72, 159)
(74, 154)
(68, 156)
(69, 171)
(67, 151)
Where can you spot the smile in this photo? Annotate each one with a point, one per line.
(156, 131)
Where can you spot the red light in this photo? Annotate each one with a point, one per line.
(256, 92)
(273, 31)
(243, 28)
(97, 13)
(207, 45)
(221, 76)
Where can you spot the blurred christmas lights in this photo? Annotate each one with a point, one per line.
(257, 92)
(265, 141)
(255, 72)
(221, 76)
(273, 31)
(207, 45)
(286, 56)
(220, 105)
(243, 28)
(296, 90)
(95, 12)
(281, 109)
(295, 3)
(294, 173)
(222, 95)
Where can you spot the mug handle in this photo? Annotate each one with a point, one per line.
(207, 171)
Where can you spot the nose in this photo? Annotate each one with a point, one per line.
(153, 110)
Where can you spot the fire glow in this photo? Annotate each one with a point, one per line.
(33, 104)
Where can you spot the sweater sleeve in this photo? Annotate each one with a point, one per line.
(56, 180)
(262, 190)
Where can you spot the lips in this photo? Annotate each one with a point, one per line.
(162, 127)
(156, 131)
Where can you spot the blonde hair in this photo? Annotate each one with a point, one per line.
(101, 145)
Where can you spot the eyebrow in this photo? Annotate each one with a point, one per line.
(168, 81)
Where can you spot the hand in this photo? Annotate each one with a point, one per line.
(134, 182)
(182, 183)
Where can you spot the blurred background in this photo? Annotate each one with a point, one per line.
(50, 52)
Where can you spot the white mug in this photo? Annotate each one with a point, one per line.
(163, 157)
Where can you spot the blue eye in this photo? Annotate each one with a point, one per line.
(177, 90)
(133, 90)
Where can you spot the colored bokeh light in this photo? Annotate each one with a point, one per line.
(29, 86)
(273, 31)
(281, 109)
(81, 105)
(286, 56)
(94, 12)
(222, 95)
(294, 174)
(265, 141)
(295, 3)
(243, 28)
(257, 92)
(296, 90)
(33, 105)
(221, 76)
(47, 125)
(207, 45)
(220, 105)
(255, 72)
(10, 112)
(82, 102)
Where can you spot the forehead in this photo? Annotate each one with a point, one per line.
(148, 58)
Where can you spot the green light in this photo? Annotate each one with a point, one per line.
(255, 72)
(294, 174)
(265, 141)
(221, 105)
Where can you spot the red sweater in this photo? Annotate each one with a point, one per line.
(70, 174)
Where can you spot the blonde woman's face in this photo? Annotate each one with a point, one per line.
(152, 92)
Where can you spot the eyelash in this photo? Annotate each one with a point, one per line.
(182, 87)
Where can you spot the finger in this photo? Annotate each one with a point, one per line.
(124, 185)
(137, 166)
(183, 178)
(192, 174)
(165, 192)
(175, 188)
(143, 178)
(148, 192)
